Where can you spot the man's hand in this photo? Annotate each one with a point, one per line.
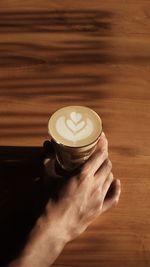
(85, 197)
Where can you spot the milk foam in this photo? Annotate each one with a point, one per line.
(74, 128)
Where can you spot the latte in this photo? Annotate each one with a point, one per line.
(75, 131)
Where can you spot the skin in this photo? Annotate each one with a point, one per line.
(81, 202)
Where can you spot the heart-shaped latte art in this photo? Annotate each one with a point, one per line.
(74, 129)
(75, 117)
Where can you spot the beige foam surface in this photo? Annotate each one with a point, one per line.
(75, 126)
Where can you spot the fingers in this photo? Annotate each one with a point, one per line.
(50, 170)
(107, 184)
(98, 157)
(113, 200)
(47, 164)
(72, 186)
(48, 148)
(103, 142)
(104, 171)
(103, 187)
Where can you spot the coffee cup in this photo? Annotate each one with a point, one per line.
(74, 132)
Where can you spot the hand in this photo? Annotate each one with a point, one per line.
(84, 197)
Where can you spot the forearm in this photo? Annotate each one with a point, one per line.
(43, 247)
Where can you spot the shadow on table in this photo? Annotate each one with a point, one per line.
(23, 195)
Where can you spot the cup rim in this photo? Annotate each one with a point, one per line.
(59, 143)
(74, 147)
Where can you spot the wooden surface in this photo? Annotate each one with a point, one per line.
(97, 54)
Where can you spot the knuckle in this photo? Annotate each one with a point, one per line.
(99, 207)
(81, 212)
(109, 165)
(111, 176)
(105, 154)
(85, 172)
(106, 142)
(98, 204)
(99, 192)
(116, 201)
(97, 196)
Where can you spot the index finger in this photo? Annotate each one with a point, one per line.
(98, 157)
(102, 143)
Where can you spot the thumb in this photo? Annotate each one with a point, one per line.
(50, 168)
(48, 148)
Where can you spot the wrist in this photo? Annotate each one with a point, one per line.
(55, 221)
(52, 229)
(43, 246)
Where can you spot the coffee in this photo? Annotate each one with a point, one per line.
(75, 131)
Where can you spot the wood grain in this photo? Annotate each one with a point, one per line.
(97, 54)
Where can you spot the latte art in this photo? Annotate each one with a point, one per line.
(76, 117)
(74, 128)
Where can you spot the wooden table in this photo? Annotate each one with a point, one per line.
(97, 54)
